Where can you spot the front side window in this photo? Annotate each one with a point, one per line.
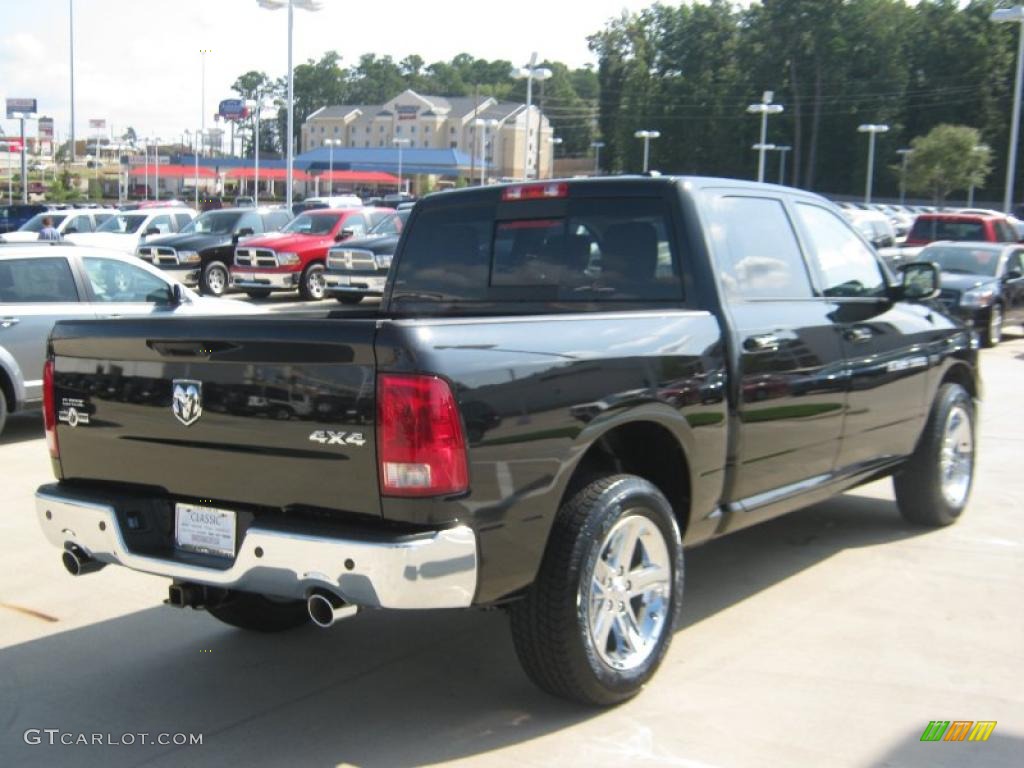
(305, 224)
(116, 282)
(356, 224)
(161, 224)
(35, 224)
(212, 223)
(252, 222)
(37, 280)
(79, 224)
(123, 224)
(756, 249)
(848, 268)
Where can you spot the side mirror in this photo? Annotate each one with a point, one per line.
(920, 281)
(151, 231)
(1013, 274)
(177, 295)
(245, 232)
(70, 230)
(345, 234)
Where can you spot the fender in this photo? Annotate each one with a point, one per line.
(10, 369)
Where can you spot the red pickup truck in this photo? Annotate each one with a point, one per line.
(931, 227)
(293, 259)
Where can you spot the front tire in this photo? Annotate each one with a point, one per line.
(3, 412)
(599, 618)
(311, 286)
(257, 293)
(215, 279)
(994, 329)
(933, 487)
(258, 613)
(344, 299)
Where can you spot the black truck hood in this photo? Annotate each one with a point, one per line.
(375, 243)
(191, 242)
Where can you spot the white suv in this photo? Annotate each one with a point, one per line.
(125, 230)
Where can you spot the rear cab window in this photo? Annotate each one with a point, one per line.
(37, 280)
(571, 252)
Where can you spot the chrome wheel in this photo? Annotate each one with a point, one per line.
(628, 593)
(315, 282)
(216, 280)
(995, 325)
(957, 456)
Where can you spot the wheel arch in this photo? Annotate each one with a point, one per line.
(12, 384)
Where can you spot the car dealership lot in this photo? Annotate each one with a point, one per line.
(828, 637)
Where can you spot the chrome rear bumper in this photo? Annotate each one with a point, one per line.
(430, 570)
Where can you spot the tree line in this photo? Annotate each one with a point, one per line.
(690, 71)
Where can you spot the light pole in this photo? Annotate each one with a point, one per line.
(762, 148)
(330, 165)
(871, 130)
(904, 156)
(202, 89)
(764, 108)
(291, 5)
(482, 125)
(782, 150)
(156, 168)
(970, 191)
(88, 159)
(647, 136)
(555, 141)
(596, 146)
(257, 106)
(1013, 15)
(71, 31)
(530, 73)
(400, 143)
(199, 138)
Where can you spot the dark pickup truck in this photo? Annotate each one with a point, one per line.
(566, 384)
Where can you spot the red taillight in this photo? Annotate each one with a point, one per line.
(536, 191)
(50, 410)
(420, 442)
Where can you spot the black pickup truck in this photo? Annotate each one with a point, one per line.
(566, 384)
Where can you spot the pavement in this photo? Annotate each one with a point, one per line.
(829, 637)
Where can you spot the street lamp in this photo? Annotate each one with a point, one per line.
(762, 148)
(764, 109)
(904, 156)
(71, 31)
(530, 73)
(399, 143)
(482, 125)
(1013, 15)
(156, 169)
(256, 105)
(199, 138)
(291, 5)
(970, 192)
(782, 150)
(871, 130)
(647, 136)
(597, 146)
(331, 144)
(202, 89)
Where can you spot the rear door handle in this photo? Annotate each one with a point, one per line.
(764, 342)
(7, 322)
(859, 334)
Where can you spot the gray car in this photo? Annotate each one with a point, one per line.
(41, 284)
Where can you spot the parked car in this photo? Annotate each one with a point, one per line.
(13, 216)
(878, 230)
(982, 283)
(125, 231)
(244, 201)
(40, 285)
(973, 227)
(336, 201)
(202, 252)
(452, 470)
(360, 267)
(66, 222)
(293, 259)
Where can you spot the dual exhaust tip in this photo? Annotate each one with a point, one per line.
(326, 608)
(77, 562)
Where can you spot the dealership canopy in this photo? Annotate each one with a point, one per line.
(173, 171)
(266, 174)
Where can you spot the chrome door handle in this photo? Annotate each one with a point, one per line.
(859, 334)
(765, 342)
(7, 322)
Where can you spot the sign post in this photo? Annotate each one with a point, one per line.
(22, 108)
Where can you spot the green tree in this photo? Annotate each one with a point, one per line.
(253, 86)
(947, 158)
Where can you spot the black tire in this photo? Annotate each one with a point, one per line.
(258, 613)
(993, 332)
(218, 286)
(314, 273)
(349, 299)
(550, 624)
(919, 485)
(257, 293)
(3, 411)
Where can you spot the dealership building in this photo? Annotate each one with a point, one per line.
(513, 143)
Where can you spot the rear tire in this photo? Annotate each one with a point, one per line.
(258, 293)
(215, 279)
(258, 613)
(311, 286)
(993, 333)
(349, 299)
(933, 488)
(3, 411)
(587, 630)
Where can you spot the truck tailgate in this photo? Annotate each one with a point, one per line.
(251, 411)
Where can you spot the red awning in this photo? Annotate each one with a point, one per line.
(173, 171)
(360, 177)
(266, 174)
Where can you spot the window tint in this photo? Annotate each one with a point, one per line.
(36, 280)
(389, 225)
(181, 220)
(1015, 263)
(602, 250)
(160, 223)
(847, 267)
(1005, 233)
(357, 224)
(117, 282)
(937, 229)
(80, 224)
(250, 221)
(276, 220)
(757, 251)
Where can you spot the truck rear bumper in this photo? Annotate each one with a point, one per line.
(437, 569)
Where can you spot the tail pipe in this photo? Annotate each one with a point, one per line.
(325, 608)
(77, 562)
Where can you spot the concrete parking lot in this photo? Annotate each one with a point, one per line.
(830, 637)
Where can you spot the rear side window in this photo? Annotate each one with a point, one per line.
(937, 229)
(848, 267)
(756, 249)
(37, 280)
(1005, 233)
(600, 250)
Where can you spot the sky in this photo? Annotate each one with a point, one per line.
(137, 62)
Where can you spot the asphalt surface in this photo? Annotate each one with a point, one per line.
(830, 637)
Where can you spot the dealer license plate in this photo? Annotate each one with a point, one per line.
(204, 529)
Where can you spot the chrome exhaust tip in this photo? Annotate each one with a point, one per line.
(325, 608)
(77, 563)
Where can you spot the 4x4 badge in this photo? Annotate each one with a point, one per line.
(327, 437)
(187, 402)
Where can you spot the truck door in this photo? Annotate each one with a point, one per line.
(788, 387)
(885, 343)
